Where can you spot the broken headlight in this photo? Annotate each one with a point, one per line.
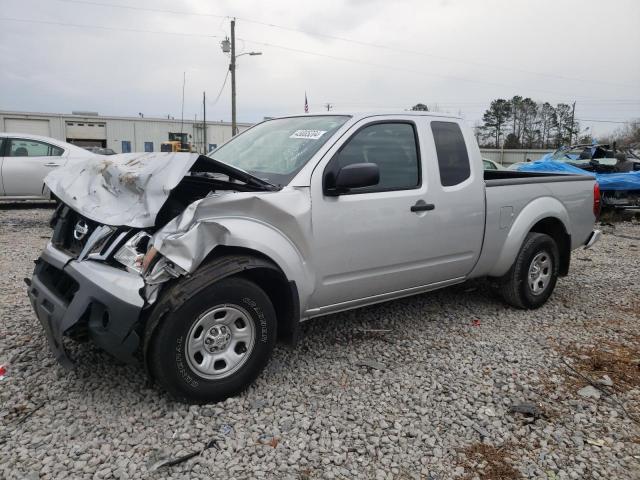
(133, 251)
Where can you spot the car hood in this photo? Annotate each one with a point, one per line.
(125, 189)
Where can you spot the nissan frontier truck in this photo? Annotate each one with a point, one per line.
(195, 265)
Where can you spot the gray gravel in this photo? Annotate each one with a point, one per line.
(403, 390)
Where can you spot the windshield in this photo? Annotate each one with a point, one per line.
(276, 150)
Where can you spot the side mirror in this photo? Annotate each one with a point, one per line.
(356, 175)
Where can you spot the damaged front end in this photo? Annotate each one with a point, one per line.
(101, 270)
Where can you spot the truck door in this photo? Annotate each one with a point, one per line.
(26, 163)
(456, 180)
(398, 235)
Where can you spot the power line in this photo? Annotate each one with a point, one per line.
(291, 49)
(602, 121)
(142, 9)
(425, 54)
(282, 47)
(221, 89)
(349, 40)
(101, 27)
(396, 68)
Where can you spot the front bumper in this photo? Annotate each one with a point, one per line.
(69, 295)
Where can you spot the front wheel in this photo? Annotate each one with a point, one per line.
(530, 281)
(215, 343)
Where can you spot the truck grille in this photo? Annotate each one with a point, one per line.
(70, 230)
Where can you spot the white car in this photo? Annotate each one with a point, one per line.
(491, 165)
(26, 159)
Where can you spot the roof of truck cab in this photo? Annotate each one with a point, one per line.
(366, 114)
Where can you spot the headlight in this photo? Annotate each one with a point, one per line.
(133, 251)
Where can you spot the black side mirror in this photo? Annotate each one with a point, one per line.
(356, 175)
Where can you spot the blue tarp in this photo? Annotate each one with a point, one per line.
(607, 181)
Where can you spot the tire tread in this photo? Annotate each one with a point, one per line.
(167, 306)
(509, 285)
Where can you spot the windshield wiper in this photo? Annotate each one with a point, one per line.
(209, 164)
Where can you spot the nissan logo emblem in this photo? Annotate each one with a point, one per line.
(80, 230)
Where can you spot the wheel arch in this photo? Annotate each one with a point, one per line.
(265, 273)
(553, 227)
(225, 262)
(543, 215)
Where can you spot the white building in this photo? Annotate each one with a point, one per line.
(122, 134)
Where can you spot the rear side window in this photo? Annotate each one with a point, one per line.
(392, 146)
(453, 159)
(33, 148)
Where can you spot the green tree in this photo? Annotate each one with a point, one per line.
(511, 141)
(515, 109)
(547, 123)
(495, 118)
(420, 107)
(528, 124)
(566, 130)
(628, 135)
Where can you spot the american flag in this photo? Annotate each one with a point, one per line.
(306, 104)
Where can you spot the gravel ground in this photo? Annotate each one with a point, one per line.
(423, 387)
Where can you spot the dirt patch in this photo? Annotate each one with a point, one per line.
(620, 362)
(632, 308)
(489, 462)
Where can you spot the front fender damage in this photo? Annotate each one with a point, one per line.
(277, 225)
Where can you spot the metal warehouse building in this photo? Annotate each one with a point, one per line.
(122, 134)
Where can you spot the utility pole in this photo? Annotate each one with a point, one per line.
(230, 48)
(232, 68)
(573, 116)
(184, 80)
(204, 123)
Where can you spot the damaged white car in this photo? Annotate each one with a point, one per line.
(195, 265)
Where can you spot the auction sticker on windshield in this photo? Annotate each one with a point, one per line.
(308, 134)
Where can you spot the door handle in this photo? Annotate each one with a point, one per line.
(51, 164)
(422, 207)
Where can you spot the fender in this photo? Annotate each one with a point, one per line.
(46, 193)
(188, 249)
(532, 213)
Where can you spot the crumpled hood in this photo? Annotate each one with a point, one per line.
(121, 190)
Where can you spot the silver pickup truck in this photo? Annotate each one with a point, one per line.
(196, 265)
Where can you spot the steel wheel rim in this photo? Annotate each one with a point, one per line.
(220, 341)
(540, 271)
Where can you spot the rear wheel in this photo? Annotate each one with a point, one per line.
(532, 278)
(214, 343)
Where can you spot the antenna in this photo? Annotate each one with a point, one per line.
(184, 80)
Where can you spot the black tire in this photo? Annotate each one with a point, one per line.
(166, 354)
(514, 286)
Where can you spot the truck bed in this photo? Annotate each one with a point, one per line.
(513, 198)
(497, 178)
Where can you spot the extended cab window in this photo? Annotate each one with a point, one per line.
(453, 159)
(392, 146)
(33, 148)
